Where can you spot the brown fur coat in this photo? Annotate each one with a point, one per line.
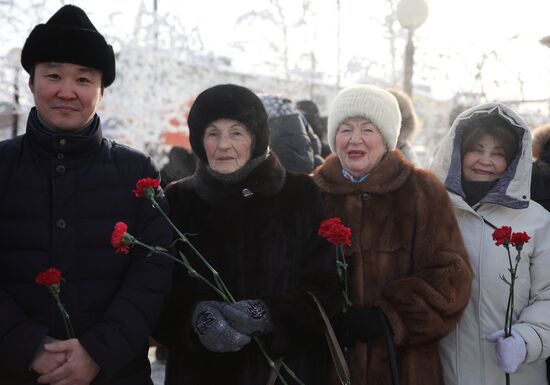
(407, 257)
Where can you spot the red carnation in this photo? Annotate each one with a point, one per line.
(50, 277)
(518, 239)
(121, 239)
(335, 232)
(145, 187)
(502, 235)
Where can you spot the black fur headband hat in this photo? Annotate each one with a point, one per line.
(69, 37)
(228, 101)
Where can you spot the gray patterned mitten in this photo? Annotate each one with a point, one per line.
(214, 331)
(250, 317)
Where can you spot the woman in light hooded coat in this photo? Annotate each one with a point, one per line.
(485, 197)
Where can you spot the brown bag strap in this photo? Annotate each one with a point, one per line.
(336, 353)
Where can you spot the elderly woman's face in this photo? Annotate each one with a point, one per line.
(359, 145)
(228, 145)
(485, 162)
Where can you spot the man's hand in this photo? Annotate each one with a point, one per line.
(46, 362)
(79, 369)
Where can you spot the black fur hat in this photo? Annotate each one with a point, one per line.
(228, 101)
(69, 36)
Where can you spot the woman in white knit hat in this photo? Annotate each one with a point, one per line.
(407, 263)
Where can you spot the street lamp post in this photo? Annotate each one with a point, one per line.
(14, 56)
(411, 15)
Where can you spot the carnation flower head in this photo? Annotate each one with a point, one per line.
(502, 235)
(49, 277)
(519, 239)
(145, 187)
(335, 232)
(121, 239)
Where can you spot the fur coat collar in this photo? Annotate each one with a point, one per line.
(388, 176)
(266, 179)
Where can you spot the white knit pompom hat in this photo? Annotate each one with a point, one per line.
(371, 102)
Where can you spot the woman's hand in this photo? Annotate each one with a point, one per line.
(510, 351)
(250, 317)
(213, 330)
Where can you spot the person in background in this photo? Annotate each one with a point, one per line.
(540, 179)
(257, 225)
(291, 137)
(409, 124)
(181, 163)
(485, 164)
(311, 112)
(407, 263)
(63, 189)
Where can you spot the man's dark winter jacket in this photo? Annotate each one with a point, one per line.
(261, 235)
(60, 196)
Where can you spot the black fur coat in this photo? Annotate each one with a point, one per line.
(264, 245)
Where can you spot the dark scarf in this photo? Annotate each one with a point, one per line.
(265, 178)
(241, 173)
(476, 191)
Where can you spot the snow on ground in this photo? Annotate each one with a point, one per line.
(157, 368)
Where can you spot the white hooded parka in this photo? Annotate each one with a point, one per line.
(467, 357)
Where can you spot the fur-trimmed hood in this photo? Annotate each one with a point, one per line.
(513, 188)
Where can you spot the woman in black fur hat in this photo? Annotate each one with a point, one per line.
(257, 225)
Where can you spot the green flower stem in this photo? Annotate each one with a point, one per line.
(512, 293)
(509, 306)
(290, 372)
(513, 268)
(270, 362)
(190, 270)
(180, 234)
(219, 282)
(215, 274)
(66, 318)
(346, 305)
(507, 328)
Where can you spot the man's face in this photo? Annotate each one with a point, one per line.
(66, 95)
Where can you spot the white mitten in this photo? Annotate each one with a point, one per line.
(510, 351)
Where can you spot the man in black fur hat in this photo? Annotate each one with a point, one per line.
(63, 188)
